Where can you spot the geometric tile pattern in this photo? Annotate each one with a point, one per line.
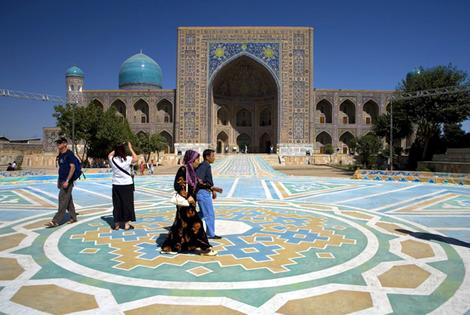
(268, 53)
(277, 240)
(299, 245)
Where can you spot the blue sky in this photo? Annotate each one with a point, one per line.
(357, 44)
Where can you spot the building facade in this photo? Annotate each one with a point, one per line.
(237, 88)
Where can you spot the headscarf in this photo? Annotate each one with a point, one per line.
(189, 157)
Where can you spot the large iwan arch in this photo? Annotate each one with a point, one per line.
(246, 89)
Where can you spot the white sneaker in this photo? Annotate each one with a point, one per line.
(210, 253)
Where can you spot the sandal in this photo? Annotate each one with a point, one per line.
(71, 221)
(51, 224)
(116, 227)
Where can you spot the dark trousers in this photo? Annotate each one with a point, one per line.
(123, 203)
(65, 203)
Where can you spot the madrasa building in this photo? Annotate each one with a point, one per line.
(237, 88)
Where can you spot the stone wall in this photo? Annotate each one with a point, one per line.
(10, 152)
(450, 167)
(44, 160)
(455, 160)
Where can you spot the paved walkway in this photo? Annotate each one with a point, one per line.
(292, 245)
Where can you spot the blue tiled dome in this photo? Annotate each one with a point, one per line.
(140, 71)
(74, 71)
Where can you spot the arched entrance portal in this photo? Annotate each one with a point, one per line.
(222, 142)
(345, 142)
(244, 106)
(169, 141)
(244, 143)
(323, 139)
(265, 143)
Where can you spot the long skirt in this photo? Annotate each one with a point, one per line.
(187, 232)
(123, 203)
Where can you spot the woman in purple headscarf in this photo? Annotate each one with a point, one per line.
(187, 232)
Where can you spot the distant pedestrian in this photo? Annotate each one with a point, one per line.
(151, 167)
(142, 168)
(69, 168)
(13, 165)
(123, 186)
(10, 167)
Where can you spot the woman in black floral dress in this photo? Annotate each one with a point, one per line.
(187, 232)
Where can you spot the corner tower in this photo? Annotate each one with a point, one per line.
(74, 78)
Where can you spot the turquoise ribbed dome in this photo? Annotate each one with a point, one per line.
(140, 71)
(74, 71)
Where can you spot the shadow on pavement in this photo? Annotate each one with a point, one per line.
(435, 237)
(109, 219)
(160, 239)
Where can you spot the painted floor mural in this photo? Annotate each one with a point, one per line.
(291, 245)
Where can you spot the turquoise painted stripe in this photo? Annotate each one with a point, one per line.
(271, 189)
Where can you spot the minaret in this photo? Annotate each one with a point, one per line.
(74, 85)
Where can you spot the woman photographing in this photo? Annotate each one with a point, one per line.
(123, 186)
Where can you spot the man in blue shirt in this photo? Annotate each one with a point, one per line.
(207, 192)
(66, 163)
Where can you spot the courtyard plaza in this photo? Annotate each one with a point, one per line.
(291, 245)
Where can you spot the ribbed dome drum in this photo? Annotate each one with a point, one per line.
(140, 72)
(74, 71)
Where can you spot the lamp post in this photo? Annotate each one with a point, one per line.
(74, 103)
(73, 127)
(391, 136)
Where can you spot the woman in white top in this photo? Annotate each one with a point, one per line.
(123, 186)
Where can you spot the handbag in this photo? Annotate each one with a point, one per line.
(179, 200)
(125, 172)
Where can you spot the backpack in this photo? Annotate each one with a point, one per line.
(78, 169)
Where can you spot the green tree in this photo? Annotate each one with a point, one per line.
(430, 113)
(98, 131)
(151, 143)
(402, 125)
(159, 143)
(368, 147)
(329, 149)
(397, 152)
(112, 130)
(353, 146)
(87, 123)
(455, 136)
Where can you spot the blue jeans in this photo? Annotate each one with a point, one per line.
(204, 200)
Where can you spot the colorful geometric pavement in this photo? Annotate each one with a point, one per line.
(291, 245)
